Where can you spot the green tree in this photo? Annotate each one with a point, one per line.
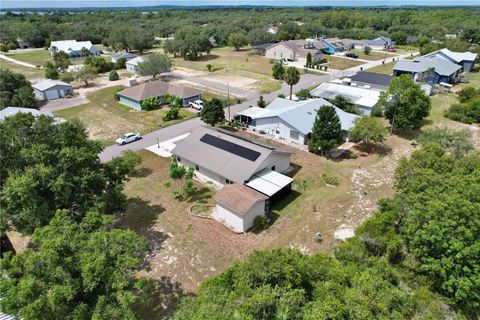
(367, 50)
(84, 52)
(326, 131)
(261, 102)
(10, 84)
(67, 77)
(99, 63)
(24, 98)
(458, 142)
(46, 166)
(61, 60)
(88, 270)
(209, 67)
(405, 104)
(51, 71)
(345, 104)
(139, 39)
(291, 77)
(304, 94)
(399, 37)
(172, 113)
(154, 65)
(121, 63)
(237, 40)
(309, 60)
(213, 112)
(85, 74)
(368, 130)
(4, 48)
(151, 103)
(278, 70)
(113, 75)
(259, 36)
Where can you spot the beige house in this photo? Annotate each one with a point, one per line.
(295, 50)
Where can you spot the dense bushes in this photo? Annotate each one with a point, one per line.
(468, 110)
(15, 91)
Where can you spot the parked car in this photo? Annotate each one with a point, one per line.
(197, 104)
(128, 137)
(352, 55)
(392, 50)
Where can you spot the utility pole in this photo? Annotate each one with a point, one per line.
(228, 101)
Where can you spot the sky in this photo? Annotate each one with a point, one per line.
(5, 4)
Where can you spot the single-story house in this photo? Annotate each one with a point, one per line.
(127, 55)
(295, 50)
(10, 111)
(369, 80)
(51, 89)
(364, 99)
(23, 44)
(290, 120)
(464, 59)
(228, 158)
(381, 43)
(73, 48)
(134, 96)
(132, 64)
(261, 49)
(432, 70)
(237, 206)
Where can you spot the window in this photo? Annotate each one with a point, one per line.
(179, 159)
(197, 168)
(293, 135)
(273, 168)
(228, 181)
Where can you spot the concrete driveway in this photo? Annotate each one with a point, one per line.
(60, 104)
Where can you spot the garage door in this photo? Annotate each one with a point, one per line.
(52, 94)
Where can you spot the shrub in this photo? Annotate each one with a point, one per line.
(328, 179)
(151, 103)
(468, 112)
(377, 111)
(121, 63)
(67, 77)
(260, 223)
(113, 75)
(171, 114)
(209, 67)
(281, 95)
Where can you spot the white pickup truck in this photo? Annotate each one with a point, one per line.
(197, 104)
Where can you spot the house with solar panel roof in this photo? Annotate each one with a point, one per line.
(251, 172)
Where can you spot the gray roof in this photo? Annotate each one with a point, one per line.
(126, 55)
(452, 55)
(379, 41)
(10, 111)
(372, 78)
(47, 84)
(263, 45)
(157, 88)
(422, 64)
(225, 163)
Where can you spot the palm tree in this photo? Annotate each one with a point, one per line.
(291, 77)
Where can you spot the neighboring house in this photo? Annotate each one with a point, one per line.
(334, 45)
(127, 55)
(51, 89)
(432, 70)
(10, 111)
(237, 206)
(369, 80)
(290, 120)
(296, 50)
(228, 158)
(134, 96)
(73, 48)
(261, 49)
(381, 43)
(23, 44)
(132, 64)
(364, 99)
(464, 59)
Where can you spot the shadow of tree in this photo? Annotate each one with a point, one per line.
(201, 195)
(163, 297)
(139, 215)
(141, 172)
(281, 203)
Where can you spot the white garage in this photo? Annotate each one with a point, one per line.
(238, 206)
(51, 89)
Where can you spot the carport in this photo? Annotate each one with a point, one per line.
(271, 183)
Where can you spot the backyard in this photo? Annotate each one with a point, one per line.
(338, 63)
(373, 55)
(29, 73)
(35, 57)
(106, 119)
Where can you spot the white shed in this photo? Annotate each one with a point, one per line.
(238, 206)
(132, 64)
(51, 89)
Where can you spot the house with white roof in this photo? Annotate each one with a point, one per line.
(73, 48)
(290, 120)
(465, 59)
(363, 98)
(132, 64)
(11, 111)
(51, 89)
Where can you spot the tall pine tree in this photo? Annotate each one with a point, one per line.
(326, 130)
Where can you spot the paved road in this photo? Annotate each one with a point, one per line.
(306, 81)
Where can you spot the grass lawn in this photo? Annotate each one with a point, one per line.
(341, 63)
(228, 59)
(29, 73)
(374, 55)
(36, 57)
(106, 119)
(386, 68)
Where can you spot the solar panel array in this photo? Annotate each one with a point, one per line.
(231, 147)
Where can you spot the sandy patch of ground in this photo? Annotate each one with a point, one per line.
(232, 80)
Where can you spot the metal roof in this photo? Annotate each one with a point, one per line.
(269, 182)
(135, 61)
(47, 84)
(225, 161)
(264, 45)
(360, 96)
(71, 45)
(455, 56)
(441, 66)
(126, 55)
(157, 88)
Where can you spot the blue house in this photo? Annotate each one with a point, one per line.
(465, 59)
(333, 45)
